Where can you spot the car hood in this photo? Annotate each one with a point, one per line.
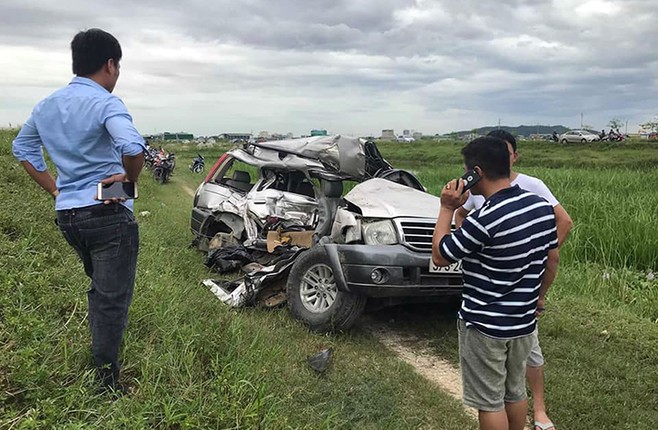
(380, 198)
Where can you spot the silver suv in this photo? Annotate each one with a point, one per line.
(372, 242)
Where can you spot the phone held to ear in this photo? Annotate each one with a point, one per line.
(469, 179)
(117, 190)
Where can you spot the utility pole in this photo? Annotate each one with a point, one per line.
(581, 120)
(498, 123)
(626, 132)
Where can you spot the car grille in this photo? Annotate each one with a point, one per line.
(416, 233)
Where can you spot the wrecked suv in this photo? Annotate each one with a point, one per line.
(325, 251)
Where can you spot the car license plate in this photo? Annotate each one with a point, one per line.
(455, 268)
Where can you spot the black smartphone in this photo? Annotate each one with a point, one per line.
(117, 190)
(470, 178)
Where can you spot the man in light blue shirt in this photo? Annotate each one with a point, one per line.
(89, 135)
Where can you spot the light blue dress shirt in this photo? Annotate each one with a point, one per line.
(85, 130)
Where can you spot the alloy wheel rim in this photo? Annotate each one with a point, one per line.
(318, 288)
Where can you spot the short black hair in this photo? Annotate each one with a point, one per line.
(490, 154)
(91, 49)
(505, 135)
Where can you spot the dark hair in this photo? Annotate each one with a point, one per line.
(490, 154)
(91, 49)
(505, 135)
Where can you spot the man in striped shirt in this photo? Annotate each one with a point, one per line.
(535, 364)
(510, 258)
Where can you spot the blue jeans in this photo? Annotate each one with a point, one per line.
(106, 238)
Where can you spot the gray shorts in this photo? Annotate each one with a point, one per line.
(493, 370)
(536, 358)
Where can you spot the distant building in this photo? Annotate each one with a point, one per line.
(265, 134)
(417, 135)
(177, 136)
(388, 134)
(407, 133)
(235, 136)
(319, 132)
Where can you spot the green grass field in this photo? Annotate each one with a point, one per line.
(193, 363)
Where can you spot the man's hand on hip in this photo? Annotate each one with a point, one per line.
(119, 177)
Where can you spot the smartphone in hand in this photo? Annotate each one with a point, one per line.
(117, 190)
(469, 179)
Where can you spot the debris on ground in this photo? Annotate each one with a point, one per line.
(320, 361)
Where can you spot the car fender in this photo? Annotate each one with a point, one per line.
(346, 227)
(335, 263)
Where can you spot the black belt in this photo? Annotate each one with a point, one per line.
(98, 210)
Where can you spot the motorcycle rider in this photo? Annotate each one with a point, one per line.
(613, 135)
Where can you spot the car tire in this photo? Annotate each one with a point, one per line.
(310, 276)
(563, 141)
(583, 140)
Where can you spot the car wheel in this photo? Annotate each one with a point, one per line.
(583, 140)
(564, 141)
(314, 298)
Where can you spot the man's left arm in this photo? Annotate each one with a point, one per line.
(562, 218)
(550, 273)
(27, 148)
(563, 222)
(127, 139)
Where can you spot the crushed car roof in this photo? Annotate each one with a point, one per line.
(329, 156)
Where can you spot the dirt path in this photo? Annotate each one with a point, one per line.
(415, 351)
(188, 190)
(418, 354)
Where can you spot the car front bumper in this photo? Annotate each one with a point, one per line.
(406, 271)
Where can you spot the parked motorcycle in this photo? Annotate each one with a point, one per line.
(198, 164)
(150, 154)
(163, 168)
(616, 137)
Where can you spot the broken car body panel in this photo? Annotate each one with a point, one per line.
(378, 240)
(328, 157)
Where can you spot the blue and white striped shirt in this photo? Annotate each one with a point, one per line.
(504, 247)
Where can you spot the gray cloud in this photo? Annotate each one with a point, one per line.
(352, 66)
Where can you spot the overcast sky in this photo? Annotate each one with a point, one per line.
(350, 66)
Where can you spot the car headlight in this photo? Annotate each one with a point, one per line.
(379, 233)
